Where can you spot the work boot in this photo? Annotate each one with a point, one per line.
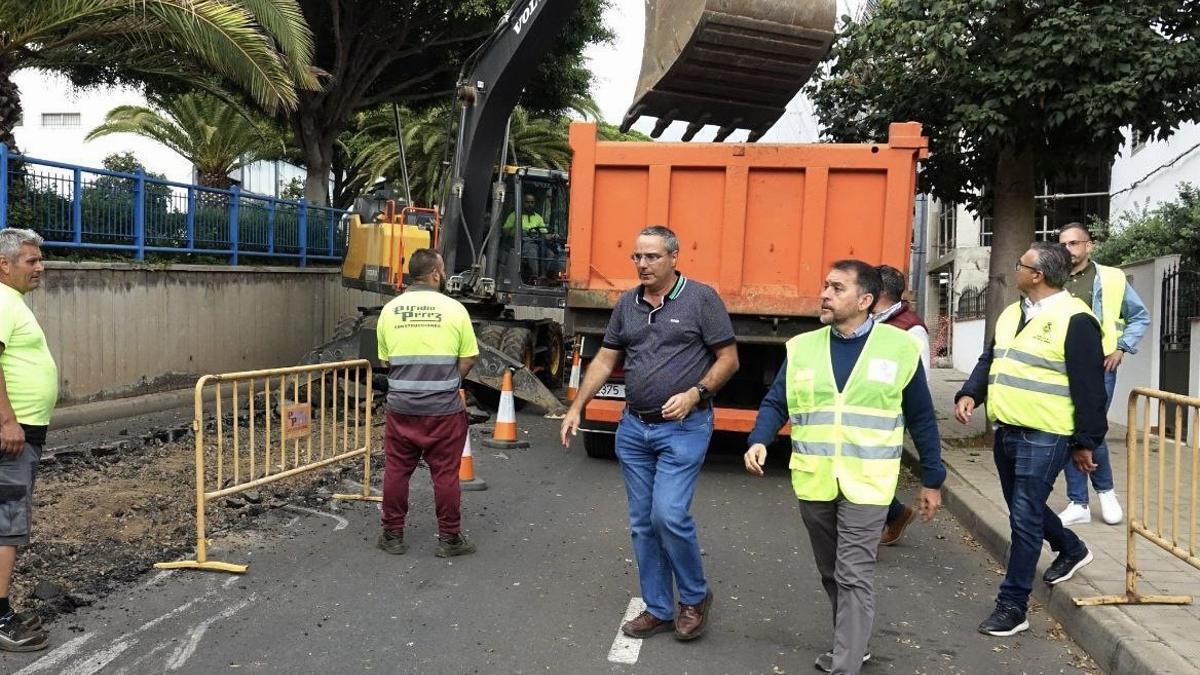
(692, 619)
(392, 541)
(895, 529)
(15, 636)
(450, 545)
(646, 624)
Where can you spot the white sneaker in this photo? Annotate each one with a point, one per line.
(1076, 514)
(1110, 507)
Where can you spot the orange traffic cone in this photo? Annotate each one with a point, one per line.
(466, 470)
(573, 383)
(505, 434)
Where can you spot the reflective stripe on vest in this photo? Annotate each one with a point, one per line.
(1112, 296)
(423, 373)
(849, 441)
(1028, 384)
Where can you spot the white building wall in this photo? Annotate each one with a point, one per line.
(47, 93)
(967, 344)
(1133, 166)
(1194, 360)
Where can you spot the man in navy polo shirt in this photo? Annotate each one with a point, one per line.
(678, 344)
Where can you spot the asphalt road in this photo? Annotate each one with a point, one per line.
(546, 592)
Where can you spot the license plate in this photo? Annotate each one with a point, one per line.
(611, 391)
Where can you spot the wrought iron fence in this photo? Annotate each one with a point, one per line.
(76, 207)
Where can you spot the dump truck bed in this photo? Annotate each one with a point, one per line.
(759, 222)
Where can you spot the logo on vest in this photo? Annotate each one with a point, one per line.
(882, 370)
(1046, 329)
(427, 314)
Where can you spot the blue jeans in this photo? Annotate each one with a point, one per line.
(661, 464)
(1102, 477)
(1028, 462)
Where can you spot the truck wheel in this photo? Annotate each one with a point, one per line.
(553, 360)
(600, 446)
(517, 344)
(491, 335)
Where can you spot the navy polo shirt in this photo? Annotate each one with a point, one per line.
(669, 348)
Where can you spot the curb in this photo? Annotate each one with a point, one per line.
(120, 408)
(1112, 638)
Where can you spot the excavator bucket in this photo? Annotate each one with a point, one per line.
(730, 63)
(489, 371)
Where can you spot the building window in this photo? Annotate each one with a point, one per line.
(1045, 229)
(947, 226)
(986, 228)
(1138, 141)
(60, 120)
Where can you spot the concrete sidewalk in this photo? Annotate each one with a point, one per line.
(1123, 639)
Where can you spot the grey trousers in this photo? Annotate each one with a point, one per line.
(845, 540)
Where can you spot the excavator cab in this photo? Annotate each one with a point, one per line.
(532, 256)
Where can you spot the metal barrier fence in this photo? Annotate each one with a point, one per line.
(322, 415)
(78, 207)
(1157, 506)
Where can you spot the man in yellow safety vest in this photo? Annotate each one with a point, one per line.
(1042, 379)
(850, 389)
(1123, 321)
(428, 342)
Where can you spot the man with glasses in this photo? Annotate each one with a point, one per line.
(1123, 321)
(1041, 378)
(678, 344)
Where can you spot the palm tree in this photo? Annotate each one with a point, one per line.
(262, 46)
(211, 134)
(534, 141)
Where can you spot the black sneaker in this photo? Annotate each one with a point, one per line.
(1004, 621)
(15, 636)
(1065, 566)
(824, 662)
(452, 545)
(392, 542)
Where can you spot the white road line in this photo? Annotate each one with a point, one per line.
(102, 658)
(187, 649)
(293, 521)
(342, 523)
(162, 574)
(61, 653)
(624, 648)
(114, 649)
(131, 668)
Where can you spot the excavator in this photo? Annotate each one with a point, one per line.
(731, 64)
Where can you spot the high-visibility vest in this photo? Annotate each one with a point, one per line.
(1112, 296)
(422, 334)
(1027, 384)
(850, 440)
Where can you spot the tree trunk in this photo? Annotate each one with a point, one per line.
(10, 108)
(316, 136)
(1012, 220)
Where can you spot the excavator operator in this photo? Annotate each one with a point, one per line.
(539, 246)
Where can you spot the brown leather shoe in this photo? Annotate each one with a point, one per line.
(646, 624)
(692, 619)
(893, 530)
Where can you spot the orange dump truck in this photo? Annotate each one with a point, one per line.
(760, 223)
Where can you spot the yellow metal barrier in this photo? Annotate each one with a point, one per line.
(327, 403)
(1147, 499)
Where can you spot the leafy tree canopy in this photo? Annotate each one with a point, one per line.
(1171, 227)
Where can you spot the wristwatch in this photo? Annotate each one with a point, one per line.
(705, 393)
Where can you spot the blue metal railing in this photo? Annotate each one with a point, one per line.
(87, 208)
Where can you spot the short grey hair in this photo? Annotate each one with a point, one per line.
(13, 238)
(1053, 261)
(666, 233)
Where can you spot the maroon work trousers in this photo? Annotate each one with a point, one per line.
(440, 441)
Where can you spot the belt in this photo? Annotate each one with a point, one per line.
(655, 416)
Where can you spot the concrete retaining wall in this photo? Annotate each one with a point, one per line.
(120, 329)
(968, 344)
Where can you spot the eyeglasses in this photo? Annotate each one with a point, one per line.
(648, 257)
(1019, 265)
(1073, 244)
